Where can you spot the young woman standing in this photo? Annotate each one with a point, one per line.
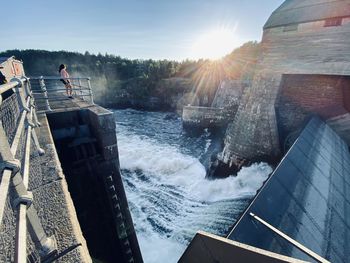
(65, 79)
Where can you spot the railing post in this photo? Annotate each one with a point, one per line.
(18, 133)
(19, 90)
(29, 92)
(43, 89)
(27, 87)
(8, 166)
(90, 92)
(35, 116)
(46, 245)
(81, 93)
(30, 127)
(21, 235)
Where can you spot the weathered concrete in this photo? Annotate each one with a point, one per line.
(52, 198)
(222, 110)
(85, 138)
(208, 248)
(308, 48)
(205, 117)
(229, 93)
(341, 124)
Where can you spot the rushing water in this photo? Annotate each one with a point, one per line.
(164, 180)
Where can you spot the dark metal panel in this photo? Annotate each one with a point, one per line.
(307, 198)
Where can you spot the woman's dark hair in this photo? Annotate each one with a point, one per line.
(62, 66)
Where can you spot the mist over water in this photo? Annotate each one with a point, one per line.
(168, 195)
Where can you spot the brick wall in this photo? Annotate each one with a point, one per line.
(302, 95)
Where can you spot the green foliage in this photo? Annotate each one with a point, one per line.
(114, 77)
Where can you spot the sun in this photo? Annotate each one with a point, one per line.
(214, 44)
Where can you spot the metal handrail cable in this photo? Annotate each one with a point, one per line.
(18, 133)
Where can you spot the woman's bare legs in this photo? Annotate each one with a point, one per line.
(69, 89)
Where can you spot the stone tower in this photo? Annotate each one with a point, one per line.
(304, 69)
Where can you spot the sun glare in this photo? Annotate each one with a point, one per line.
(214, 44)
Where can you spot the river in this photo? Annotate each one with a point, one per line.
(164, 179)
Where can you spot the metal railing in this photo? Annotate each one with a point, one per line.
(18, 118)
(48, 89)
(295, 243)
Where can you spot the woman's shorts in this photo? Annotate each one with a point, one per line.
(65, 82)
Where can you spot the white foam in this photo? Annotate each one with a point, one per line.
(207, 145)
(165, 165)
(173, 167)
(246, 183)
(156, 249)
(144, 154)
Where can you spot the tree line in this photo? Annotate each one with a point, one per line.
(114, 77)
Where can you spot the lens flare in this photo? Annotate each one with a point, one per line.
(214, 44)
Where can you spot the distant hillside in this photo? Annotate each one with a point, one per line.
(121, 82)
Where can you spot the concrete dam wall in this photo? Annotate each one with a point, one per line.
(222, 110)
(87, 147)
(303, 70)
(60, 176)
(205, 117)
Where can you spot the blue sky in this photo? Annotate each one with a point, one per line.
(158, 29)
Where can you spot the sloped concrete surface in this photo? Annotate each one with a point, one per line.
(307, 198)
(52, 199)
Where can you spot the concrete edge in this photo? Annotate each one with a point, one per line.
(250, 248)
(83, 249)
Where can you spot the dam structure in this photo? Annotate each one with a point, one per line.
(296, 110)
(221, 111)
(61, 194)
(295, 114)
(303, 69)
(299, 215)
